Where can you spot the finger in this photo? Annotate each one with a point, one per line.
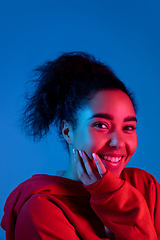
(100, 166)
(82, 173)
(89, 169)
(78, 161)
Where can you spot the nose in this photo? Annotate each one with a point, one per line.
(116, 141)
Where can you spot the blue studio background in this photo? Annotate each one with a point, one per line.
(124, 34)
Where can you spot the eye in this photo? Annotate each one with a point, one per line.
(129, 128)
(101, 126)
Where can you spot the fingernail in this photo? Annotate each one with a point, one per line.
(81, 153)
(74, 152)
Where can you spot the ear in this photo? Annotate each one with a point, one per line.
(67, 131)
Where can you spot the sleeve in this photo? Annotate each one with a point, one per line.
(42, 219)
(122, 209)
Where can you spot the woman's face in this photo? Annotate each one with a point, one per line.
(107, 126)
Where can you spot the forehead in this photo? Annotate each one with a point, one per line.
(113, 102)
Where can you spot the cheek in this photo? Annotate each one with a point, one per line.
(90, 146)
(82, 140)
(87, 141)
(95, 141)
(132, 145)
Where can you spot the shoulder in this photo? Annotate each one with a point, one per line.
(42, 217)
(139, 178)
(131, 171)
(39, 216)
(134, 173)
(39, 206)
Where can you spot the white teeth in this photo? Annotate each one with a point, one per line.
(112, 159)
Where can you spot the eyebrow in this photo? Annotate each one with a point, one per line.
(130, 118)
(110, 117)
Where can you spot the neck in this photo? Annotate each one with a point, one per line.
(71, 171)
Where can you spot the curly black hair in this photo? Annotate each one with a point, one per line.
(62, 86)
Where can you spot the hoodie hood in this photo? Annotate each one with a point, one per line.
(42, 183)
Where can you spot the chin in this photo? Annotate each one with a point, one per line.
(115, 167)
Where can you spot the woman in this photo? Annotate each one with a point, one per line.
(96, 197)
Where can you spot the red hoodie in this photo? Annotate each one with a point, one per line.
(51, 207)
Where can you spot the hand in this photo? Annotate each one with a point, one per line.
(86, 170)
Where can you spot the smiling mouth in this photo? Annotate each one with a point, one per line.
(111, 159)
